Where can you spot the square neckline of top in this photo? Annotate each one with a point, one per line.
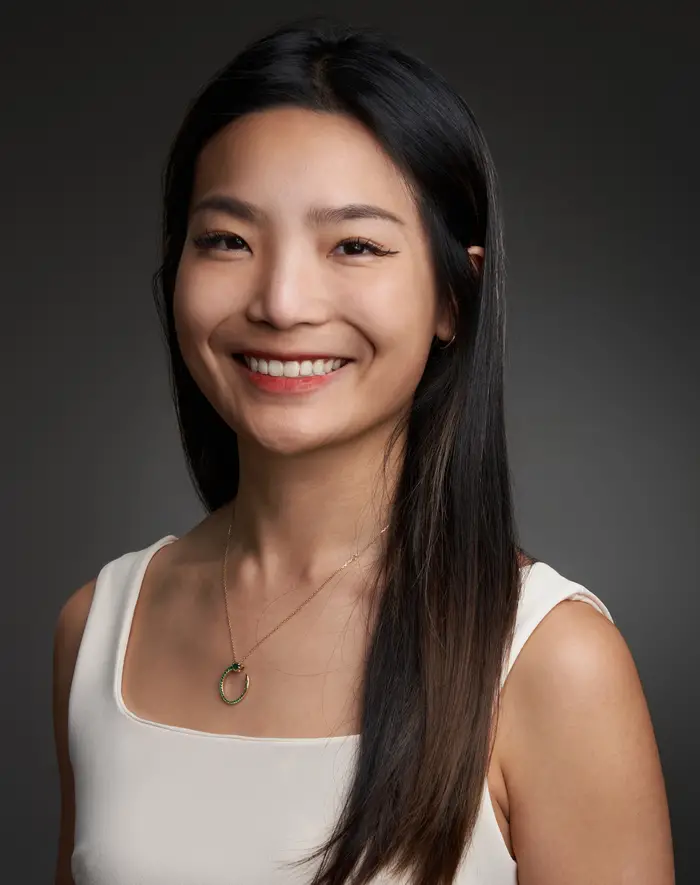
(132, 595)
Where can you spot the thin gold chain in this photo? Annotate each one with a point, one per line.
(298, 608)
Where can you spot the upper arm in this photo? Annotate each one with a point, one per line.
(68, 633)
(586, 794)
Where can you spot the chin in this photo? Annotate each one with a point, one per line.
(291, 440)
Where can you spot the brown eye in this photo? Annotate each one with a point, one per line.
(219, 241)
(358, 246)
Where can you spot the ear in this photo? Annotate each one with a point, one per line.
(445, 326)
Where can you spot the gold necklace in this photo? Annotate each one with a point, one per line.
(237, 665)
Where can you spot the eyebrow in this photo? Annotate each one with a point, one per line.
(318, 215)
(334, 215)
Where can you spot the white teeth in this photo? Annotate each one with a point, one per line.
(292, 368)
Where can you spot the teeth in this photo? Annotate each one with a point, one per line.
(292, 368)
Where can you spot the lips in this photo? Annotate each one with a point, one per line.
(292, 368)
(290, 376)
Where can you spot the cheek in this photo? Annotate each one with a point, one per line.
(399, 315)
(197, 312)
(201, 302)
(398, 318)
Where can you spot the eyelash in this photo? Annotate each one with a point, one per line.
(210, 239)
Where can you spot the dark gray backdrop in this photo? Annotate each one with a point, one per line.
(591, 116)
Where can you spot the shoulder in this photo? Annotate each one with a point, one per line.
(577, 751)
(574, 674)
(574, 647)
(69, 627)
(113, 576)
(570, 662)
(67, 636)
(68, 632)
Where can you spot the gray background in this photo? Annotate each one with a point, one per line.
(591, 116)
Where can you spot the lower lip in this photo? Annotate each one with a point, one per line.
(282, 384)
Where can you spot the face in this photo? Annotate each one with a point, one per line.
(304, 303)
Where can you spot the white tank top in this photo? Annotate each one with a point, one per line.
(163, 805)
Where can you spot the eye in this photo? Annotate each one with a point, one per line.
(359, 246)
(219, 241)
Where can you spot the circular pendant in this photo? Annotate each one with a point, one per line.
(234, 668)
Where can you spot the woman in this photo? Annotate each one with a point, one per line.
(327, 679)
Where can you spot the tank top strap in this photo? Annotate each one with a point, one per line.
(543, 587)
(114, 597)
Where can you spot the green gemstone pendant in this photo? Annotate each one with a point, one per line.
(234, 668)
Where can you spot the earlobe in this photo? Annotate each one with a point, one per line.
(443, 345)
(445, 330)
(446, 322)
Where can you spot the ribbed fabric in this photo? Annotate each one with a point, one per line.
(164, 805)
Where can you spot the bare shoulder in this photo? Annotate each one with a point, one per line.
(71, 620)
(68, 633)
(67, 636)
(575, 646)
(578, 753)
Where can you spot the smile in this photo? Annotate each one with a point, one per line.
(302, 375)
(303, 368)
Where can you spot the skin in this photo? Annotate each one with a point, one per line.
(574, 777)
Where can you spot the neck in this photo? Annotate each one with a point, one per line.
(301, 517)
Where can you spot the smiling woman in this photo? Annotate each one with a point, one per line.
(425, 703)
(305, 246)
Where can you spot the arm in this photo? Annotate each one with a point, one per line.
(586, 795)
(67, 636)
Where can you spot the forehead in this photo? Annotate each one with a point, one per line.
(294, 157)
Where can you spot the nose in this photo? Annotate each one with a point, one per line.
(289, 291)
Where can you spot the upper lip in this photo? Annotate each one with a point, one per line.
(290, 356)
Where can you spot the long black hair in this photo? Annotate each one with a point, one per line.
(450, 575)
